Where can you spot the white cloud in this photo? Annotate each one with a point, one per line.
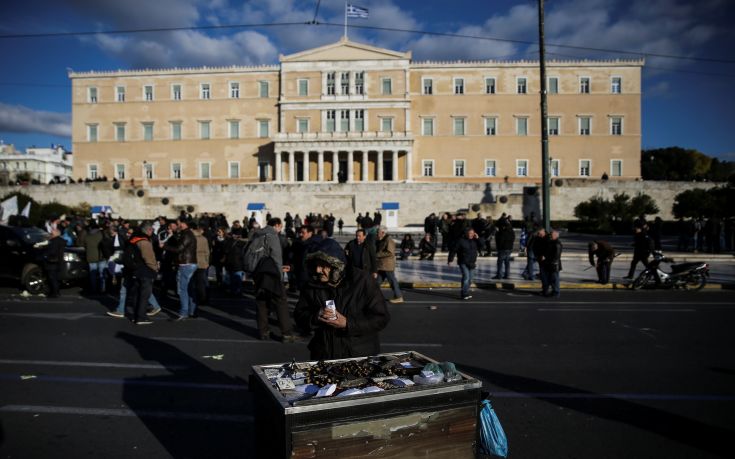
(20, 119)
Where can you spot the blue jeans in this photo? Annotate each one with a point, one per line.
(391, 276)
(97, 276)
(236, 281)
(467, 275)
(503, 262)
(152, 301)
(186, 289)
(552, 281)
(529, 272)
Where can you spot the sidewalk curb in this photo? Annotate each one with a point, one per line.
(535, 286)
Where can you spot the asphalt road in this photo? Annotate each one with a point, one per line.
(593, 374)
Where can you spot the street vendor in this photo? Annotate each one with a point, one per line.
(341, 304)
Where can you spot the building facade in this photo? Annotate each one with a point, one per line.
(37, 165)
(349, 112)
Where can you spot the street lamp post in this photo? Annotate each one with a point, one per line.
(544, 121)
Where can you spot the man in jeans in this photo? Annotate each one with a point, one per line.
(385, 254)
(185, 249)
(504, 239)
(92, 243)
(466, 250)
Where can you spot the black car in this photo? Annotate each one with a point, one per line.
(22, 259)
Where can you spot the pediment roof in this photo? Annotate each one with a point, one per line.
(345, 50)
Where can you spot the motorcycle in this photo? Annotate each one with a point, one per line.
(687, 276)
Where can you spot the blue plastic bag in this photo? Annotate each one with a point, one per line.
(492, 436)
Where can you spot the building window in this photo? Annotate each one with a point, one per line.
(331, 77)
(204, 133)
(427, 126)
(92, 171)
(204, 92)
(616, 125)
(521, 126)
(176, 92)
(491, 126)
(120, 93)
(459, 167)
(584, 167)
(302, 125)
(264, 171)
(616, 85)
(359, 120)
(459, 128)
(386, 124)
(120, 171)
(584, 85)
(427, 167)
(176, 170)
(234, 90)
(553, 125)
(344, 120)
(360, 83)
(120, 132)
(263, 128)
(616, 167)
(92, 95)
(331, 115)
(303, 87)
(92, 132)
(148, 93)
(428, 86)
(522, 168)
(148, 132)
(204, 170)
(490, 170)
(234, 169)
(554, 167)
(148, 171)
(585, 123)
(459, 85)
(521, 85)
(345, 83)
(489, 85)
(264, 88)
(234, 129)
(175, 130)
(553, 86)
(387, 86)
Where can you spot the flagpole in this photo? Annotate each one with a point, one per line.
(345, 21)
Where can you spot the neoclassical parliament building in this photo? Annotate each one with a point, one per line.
(349, 112)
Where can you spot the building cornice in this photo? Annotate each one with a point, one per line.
(528, 63)
(175, 71)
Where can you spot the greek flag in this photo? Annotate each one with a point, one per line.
(356, 12)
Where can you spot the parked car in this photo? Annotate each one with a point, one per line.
(23, 259)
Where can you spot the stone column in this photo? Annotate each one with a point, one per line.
(364, 168)
(350, 168)
(409, 165)
(380, 165)
(306, 166)
(320, 166)
(291, 171)
(335, 166)
(279, 173)
(395, 165)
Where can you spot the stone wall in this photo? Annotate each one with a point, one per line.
(416, 200)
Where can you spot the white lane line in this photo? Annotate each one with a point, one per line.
(612, 310)
(181, 416)
(63, 363)
(546, 301)
(215, 340)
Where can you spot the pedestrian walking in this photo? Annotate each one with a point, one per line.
(504, 239)
(360, 254)
(185, 248)
(201, 276)
(385, 254)
(642, 246)
(466, 251)
(551, 265)
(53, 257)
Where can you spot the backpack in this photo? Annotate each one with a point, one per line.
(132, 259)
(256, 250)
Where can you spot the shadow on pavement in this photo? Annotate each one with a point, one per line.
(704, 437)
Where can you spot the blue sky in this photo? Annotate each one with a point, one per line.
(686, 102)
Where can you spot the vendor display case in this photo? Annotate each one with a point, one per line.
(436, 419)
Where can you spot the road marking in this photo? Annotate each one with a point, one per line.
(546, 301)
(181, 416)
(237, 341)
(622, 396)
(613, 310)
(50, 315)
(63, 363)
(132, 381)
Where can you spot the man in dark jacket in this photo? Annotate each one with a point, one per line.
(504, 239)
(605, 254)
(92, 243)
(301, 246)
(427, 247)
(551, 264)
(466, 249)
(53, 258)
(185, 248)
(351, 328)
(234, 248)
(642, 246)
(142, 274)
(361, 254)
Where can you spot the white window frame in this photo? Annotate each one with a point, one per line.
(344, 121)
(495, 84)
(612, 84)
(230, 124)
(579, 124)
(234, 89)
(558, 124)
(360, 83)
(344, 89)
(518, 168)
(173, 171)
(209, 170)
(229, 169)
(548, 84)
(145, 125)
(202, 123)
(551, 167)
(589, 165)
(117, 131)
(389, 80)
(145, 93)
(96, 171)
(458, 90)
(327, 119)
(205, 91)
(152, 168)
(96, 128)
(464, 125)
(518, 130)
(612, 125)
(423, 86)
(360, 123)
(119, 93)
(424, 163)
(264, 84)
(612, 169)
(330, 82)
(518, 85)
(298, 124)
(117, 171)
(494, 168)
(298, 87)
(171, 126)
(180, 93)
(93, 99)
(455, 163)
(382, 120)
(589, 85)
(259, 123)
(485, 120)
(433, 125)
